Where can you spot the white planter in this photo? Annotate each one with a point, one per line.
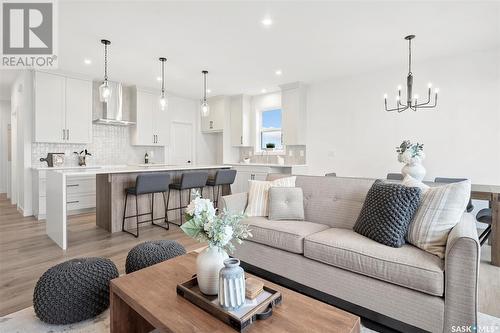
(415, 170)
(208, 265)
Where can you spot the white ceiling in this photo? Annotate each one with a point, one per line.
(309, 41)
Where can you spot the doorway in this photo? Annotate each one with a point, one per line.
(181, 152)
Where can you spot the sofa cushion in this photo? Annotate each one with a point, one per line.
(286, 203)
(387, 212)
(407, 266)
(258, 194)
(284, 235)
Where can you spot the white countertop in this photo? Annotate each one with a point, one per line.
(133, 169)
(272, 165)
(75, 167)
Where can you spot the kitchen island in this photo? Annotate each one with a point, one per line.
(110, 196)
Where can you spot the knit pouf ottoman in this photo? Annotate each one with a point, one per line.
(152, 252)
(74, 290)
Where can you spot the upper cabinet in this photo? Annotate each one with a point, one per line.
(62, 109)
(293, 105)
(152, 124)
(214, 122)
(240, 120)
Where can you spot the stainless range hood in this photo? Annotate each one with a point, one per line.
(113, 111)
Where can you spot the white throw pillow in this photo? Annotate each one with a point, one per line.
(258, 194)
(440, 210)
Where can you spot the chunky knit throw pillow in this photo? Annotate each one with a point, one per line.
(387, 212)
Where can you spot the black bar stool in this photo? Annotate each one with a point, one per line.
(148, 183)
(188, 181)
(222, 177)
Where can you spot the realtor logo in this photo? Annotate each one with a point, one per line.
(28, 34)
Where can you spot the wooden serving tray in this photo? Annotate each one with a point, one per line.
(190, 291)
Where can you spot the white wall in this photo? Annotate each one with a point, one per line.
(22, 124)
(4, 163)
(350, 133)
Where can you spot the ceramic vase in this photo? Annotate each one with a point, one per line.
(231, 285)
(415, 170)
(208, 265)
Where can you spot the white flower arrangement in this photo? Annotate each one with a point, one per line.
(410, 153)
(219, 230)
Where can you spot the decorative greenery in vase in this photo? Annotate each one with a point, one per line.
(412, 155)
(410, 152)
(219, 231)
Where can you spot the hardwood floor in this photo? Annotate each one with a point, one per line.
(26, 252)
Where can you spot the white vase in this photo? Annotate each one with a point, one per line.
(415, 170)
(208, 265)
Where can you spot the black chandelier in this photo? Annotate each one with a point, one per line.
(412, 100)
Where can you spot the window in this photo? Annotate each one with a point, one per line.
(270, 129)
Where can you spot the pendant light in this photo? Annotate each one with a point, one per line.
(412, 102)
(205, 108)
(163, 98)
(104, 89)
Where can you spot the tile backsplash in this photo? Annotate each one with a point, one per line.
(110, 146)
(293, 155)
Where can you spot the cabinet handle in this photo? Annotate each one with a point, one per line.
(153, 138)
(70, 202)
(241, 139)
(67, 134)
(63, 136)
(211, 124)
(72, 185)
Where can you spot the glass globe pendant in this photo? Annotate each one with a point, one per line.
(104, 89)
(204, 107)
(163, 98)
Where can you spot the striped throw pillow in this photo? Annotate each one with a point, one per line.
(258, 194)
(440, 210)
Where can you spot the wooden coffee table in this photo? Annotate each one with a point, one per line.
(147, 299)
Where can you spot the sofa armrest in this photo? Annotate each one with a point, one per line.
(235, 203)
(461, 274)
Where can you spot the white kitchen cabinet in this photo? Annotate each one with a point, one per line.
(49, 115)
(293, 105)
(80, 194)
(78, 111)
(240, 121)
(151, 127)
(214, 122)
(62, 109)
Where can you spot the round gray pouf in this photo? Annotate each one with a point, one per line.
(150, 253)
(74, 290)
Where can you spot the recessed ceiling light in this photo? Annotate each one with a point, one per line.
(158, 78)
(87, 61)
(267, 21)
(263, 91)
(209, 91)
(278, 72)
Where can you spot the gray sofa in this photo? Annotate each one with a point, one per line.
(404, 288)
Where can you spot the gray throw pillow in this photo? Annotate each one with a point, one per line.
(387, 212)
(286, 203)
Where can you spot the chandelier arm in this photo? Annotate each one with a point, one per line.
(422, 104)
(429, 106)
(403, 109)
(391, 110)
